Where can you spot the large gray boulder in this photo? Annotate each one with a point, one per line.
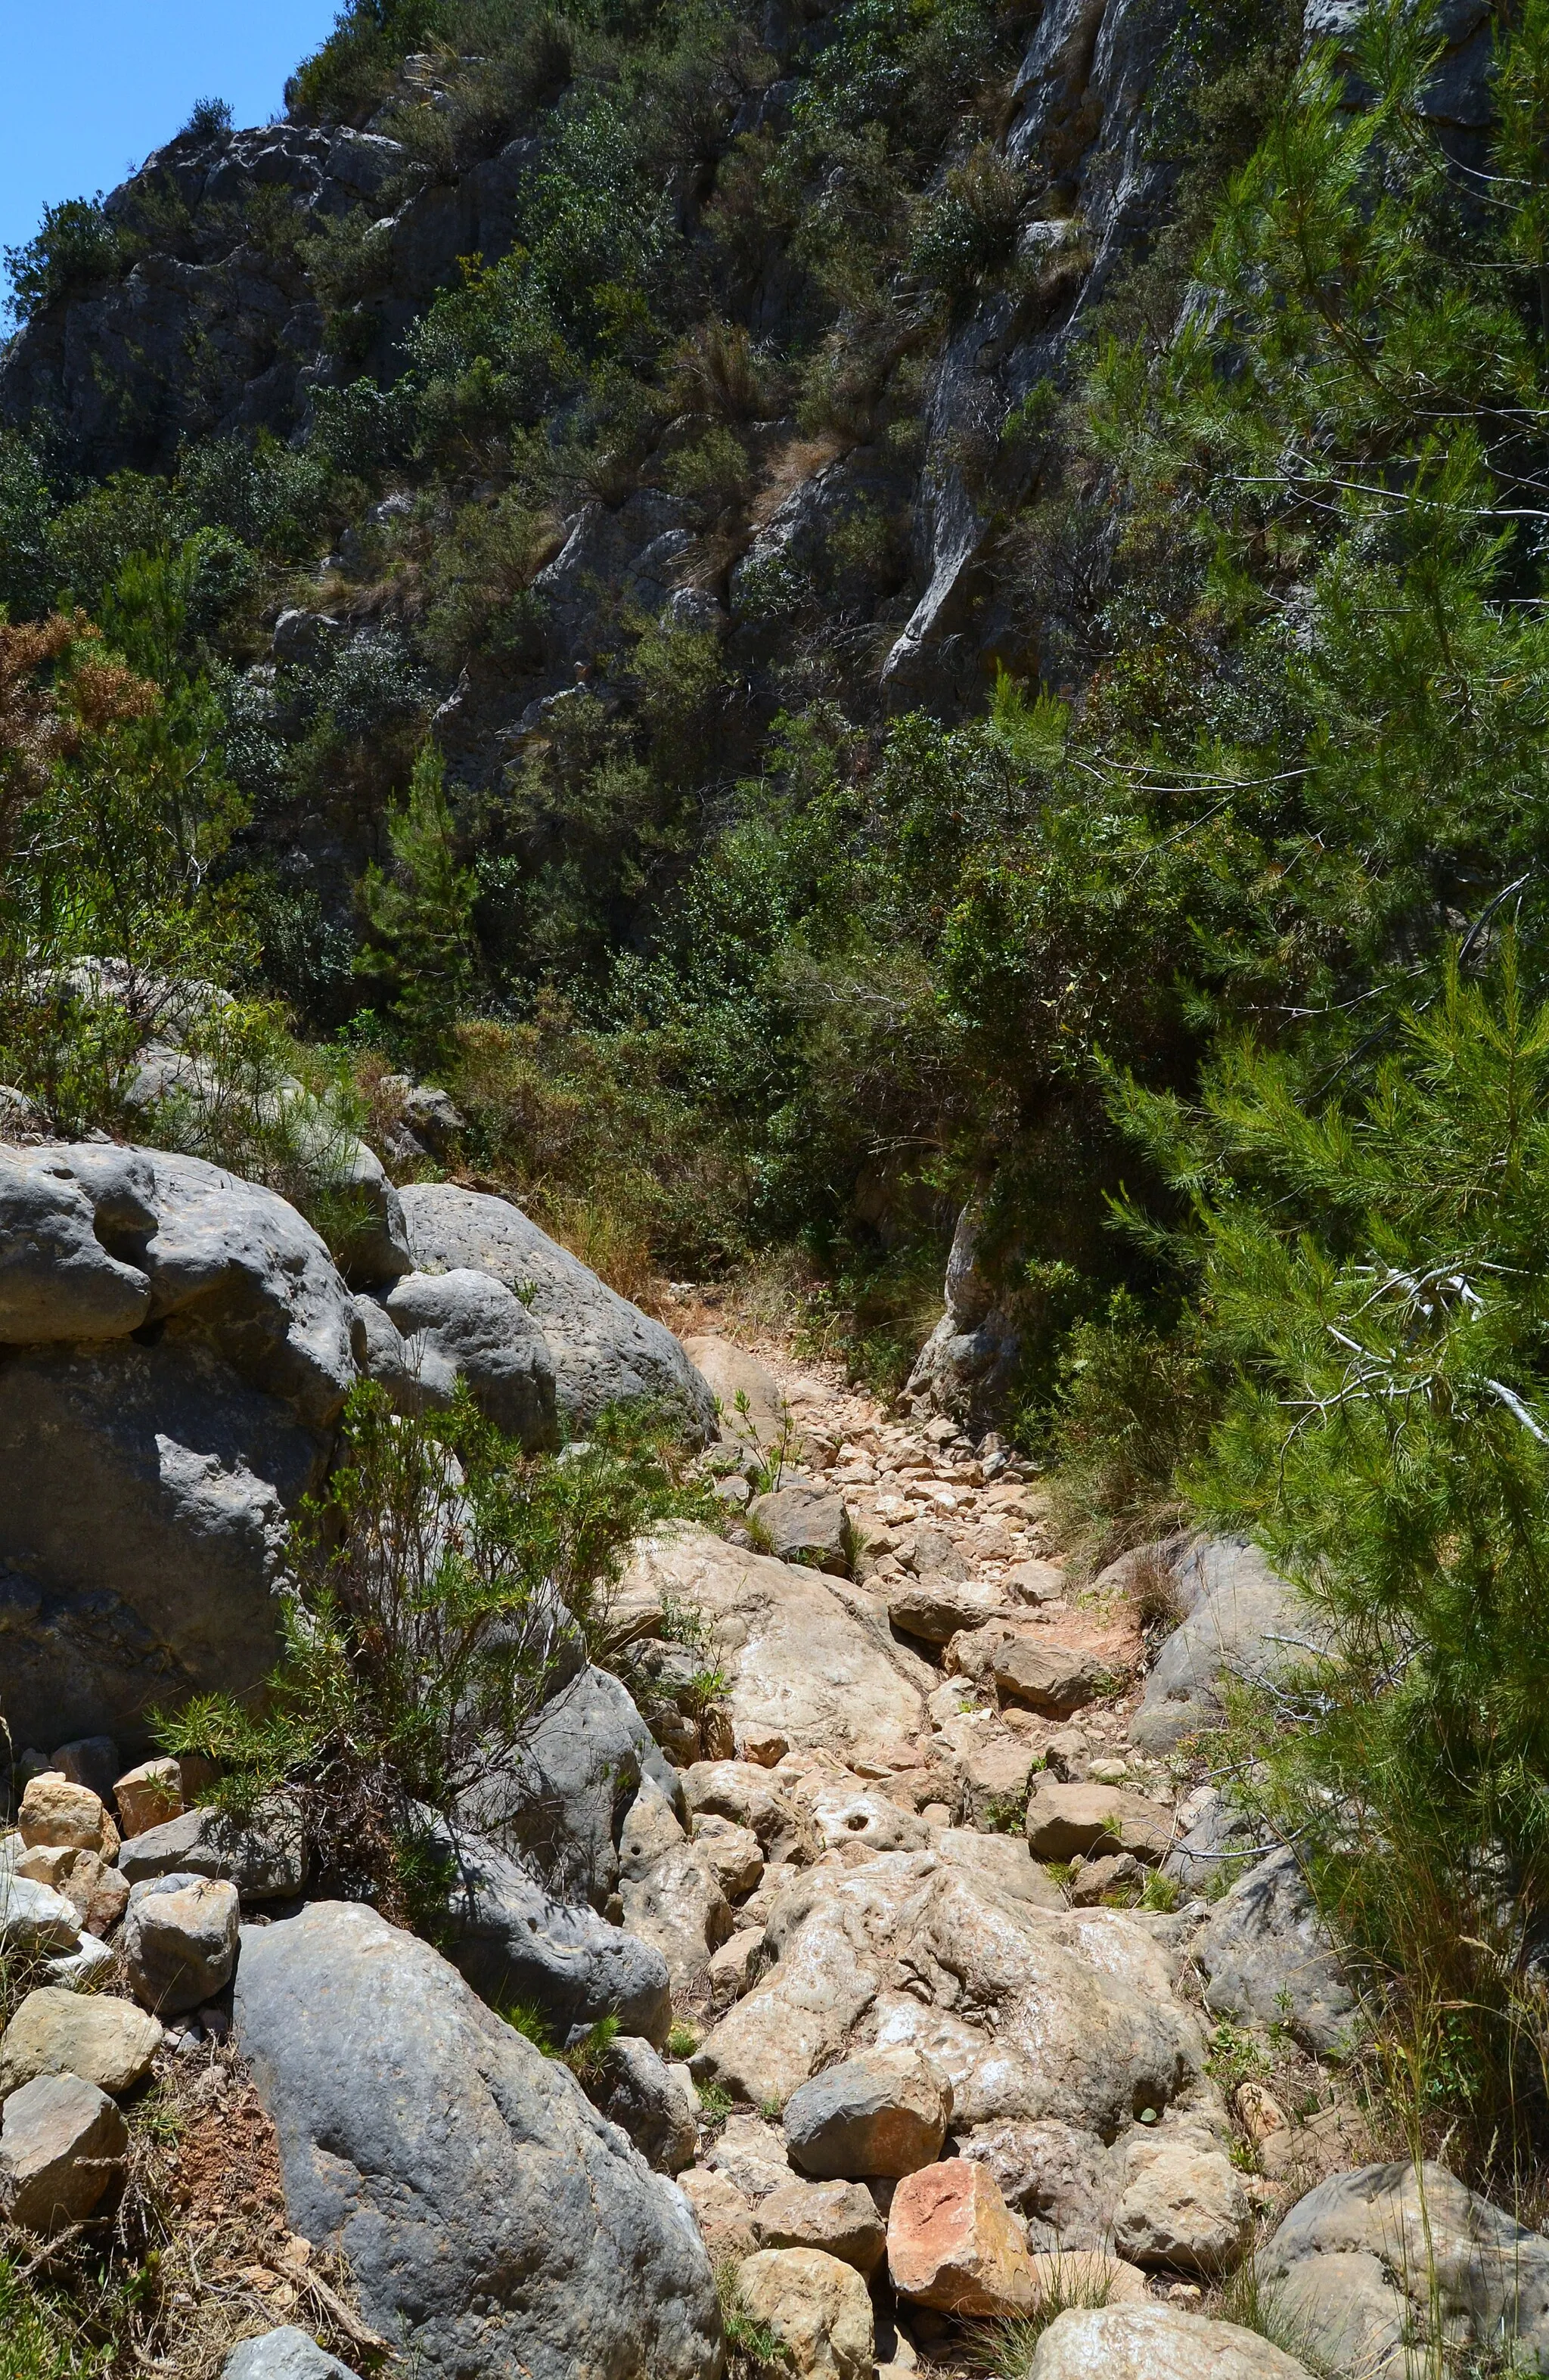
(605, 1351)
(1267, 1958)
(434, 1330)
(492, 2220)
(564, 1800)
(518, 1943)
(150, 1478)
(1365, 2264)
(1242, 1620)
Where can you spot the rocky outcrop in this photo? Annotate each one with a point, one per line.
(1241, 1619)
(605, 1351)
(1370, 2261)
(1075, 2016)
(1267, 1957)
(805, 1655)
(177, 1345)
(492, 2220)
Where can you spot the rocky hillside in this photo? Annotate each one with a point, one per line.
(924, 2006)
(666, 675)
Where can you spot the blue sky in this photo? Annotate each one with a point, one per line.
(87, 87)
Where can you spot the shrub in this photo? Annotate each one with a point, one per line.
(74, 251)
(209, 119)
(421, 913)
(1371, 1268)
(442, 1582)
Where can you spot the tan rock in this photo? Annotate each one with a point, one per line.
(858, 1816)
(1029, 1665)
(936, 1608)
(733, 1853)
(953, 2244)
(808, 1655)
(1033, 1582)
(751, 1407)
(98, 1893)
(65, 1817)
(106, 2041)
(62, 2140)
(1063, 1821)
(840, 2217)
(1259, 2113)
(763, 1745)
(1182, 2205)
(1075, 2014)
(179, 1941)
(746, 1795)
(724, 2213)
(1087, 2277)
(1155, 2342)
(47, 1864)
(752, 2154)
(817, 2307)
(147, 1795)
(733, 1967)
(1002, 1864)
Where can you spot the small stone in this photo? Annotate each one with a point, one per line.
(1097, 1877)
(286, 2354)
(935, 1607)
(1033, 1582)
(46, 1864)
(180, 1941)
(62, 2140)
(1030, 1668)
(736, 1859)
(732, 1968)
(148, 1796)
(33, 1917)
(952, 2244)
(806, 1524)
(1182, 2205)
(96, 1892)
(817, 2308)
(724, 2213)
(80, 1970)
(884, 2113)
(91, 1760)
(753, 2154)
(764, 1745)
(108, 2042)
(1063, 1821)
(840, 2217)
(1065, 1755)
(60, 1815)
(1107, 1771)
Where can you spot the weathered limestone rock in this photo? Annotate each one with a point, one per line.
(34, 1917)
(1028, 1666)
(264, 1857)
(748, 1395)
(806, 1655)
(745, 1795)
(1076, 2017)
(150, 1479)
(286, 2354)
(1065, 2182)
(1236, 1607)
(515, 1940)
(148, 1796)
(724, 2213)
(671, 1894)
(1002, 1863)
(733, 1853)
(179, 1941)
(805, 1524)
(565, 1800)
(1155, 2342)
(652, 2101)
(605, 1350)
(753, 2154)
(106, 2040)
(837, 2217)
(853, 1815)
(1268, 1958)
(1364, 2262)
(879, 2115)
(936, 1608)
(1182, 2204)
(817, 2308)
(466, 1325)
(1063, 1821)
(66, 1817)
(62, 2142)
(952, 2244)
(491, 2217)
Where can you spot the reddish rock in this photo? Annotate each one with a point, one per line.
(953, 2244)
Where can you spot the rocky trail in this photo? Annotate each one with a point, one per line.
(912, 1970)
